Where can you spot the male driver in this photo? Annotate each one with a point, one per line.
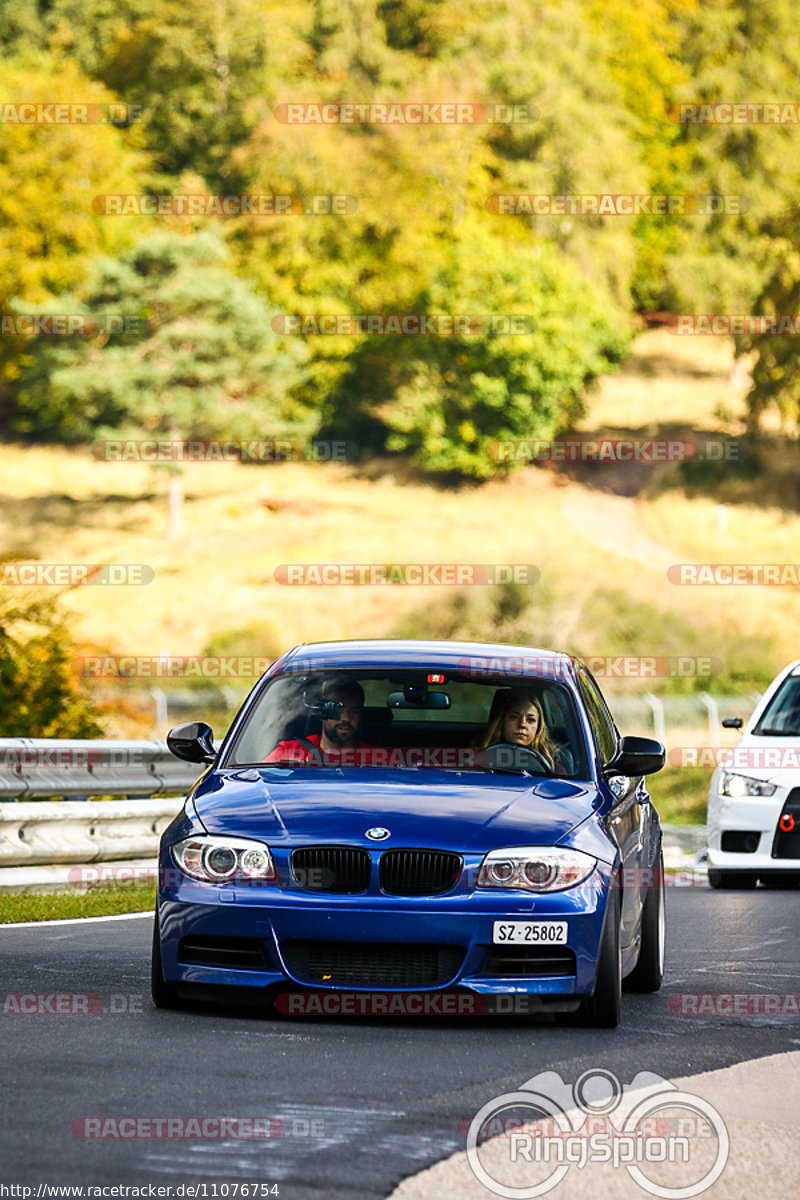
(338, 737)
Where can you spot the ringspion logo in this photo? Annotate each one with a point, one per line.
(671, 1143)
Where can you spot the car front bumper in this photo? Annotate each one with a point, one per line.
(271, 920)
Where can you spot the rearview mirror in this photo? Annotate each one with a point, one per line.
(636, 756)
(732, 723)
(193, 742)
(421, 699)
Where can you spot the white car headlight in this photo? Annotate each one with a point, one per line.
(535, 868)
(740, 786)
(219, 859)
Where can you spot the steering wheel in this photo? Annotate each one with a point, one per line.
(540, 759)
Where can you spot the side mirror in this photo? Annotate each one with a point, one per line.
(193, 742)
(636, 756)
(732, 723)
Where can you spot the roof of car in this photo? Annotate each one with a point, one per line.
(496, 658)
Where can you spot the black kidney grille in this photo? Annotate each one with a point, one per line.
(528, 961)
(376, 963)
(338, 869)
(419, 872)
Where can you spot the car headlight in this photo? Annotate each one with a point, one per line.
(219, 859)
(535, 869)
(739, 786)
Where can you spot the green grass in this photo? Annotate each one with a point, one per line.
(680, 794)
(95, 902)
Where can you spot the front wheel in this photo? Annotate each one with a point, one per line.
(603, 1009)
(165, 995)
(648, 973)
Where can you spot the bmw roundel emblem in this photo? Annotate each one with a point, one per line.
(377, 833)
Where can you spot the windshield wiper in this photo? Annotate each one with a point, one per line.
(771, 731)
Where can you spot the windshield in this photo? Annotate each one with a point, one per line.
(781, 717)
(413, 719)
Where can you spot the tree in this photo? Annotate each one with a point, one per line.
(39, 693)
(196, 357)
(49, 175)
(198, 69)
(450, 399)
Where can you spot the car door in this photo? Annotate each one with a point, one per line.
(626, 818)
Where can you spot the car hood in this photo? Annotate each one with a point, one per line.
(441, 809)
(776, 759)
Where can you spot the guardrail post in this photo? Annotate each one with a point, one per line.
(712, 708)
(657, 708)
(162, 710)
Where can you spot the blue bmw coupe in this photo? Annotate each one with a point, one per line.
(415, 819)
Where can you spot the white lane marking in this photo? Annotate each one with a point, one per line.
(75, 920)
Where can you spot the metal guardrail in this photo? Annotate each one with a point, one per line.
(37, 768)
(44, 845)
(37, 830)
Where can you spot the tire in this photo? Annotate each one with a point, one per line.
(603, 1009)
(648, 973)
(165, 995)
(734, 880)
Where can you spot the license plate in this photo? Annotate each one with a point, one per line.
(531, 933)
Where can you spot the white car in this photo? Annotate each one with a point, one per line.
(754, 798)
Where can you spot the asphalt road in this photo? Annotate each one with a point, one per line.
(362, 1103)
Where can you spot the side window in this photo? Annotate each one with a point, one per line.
(600, 719)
